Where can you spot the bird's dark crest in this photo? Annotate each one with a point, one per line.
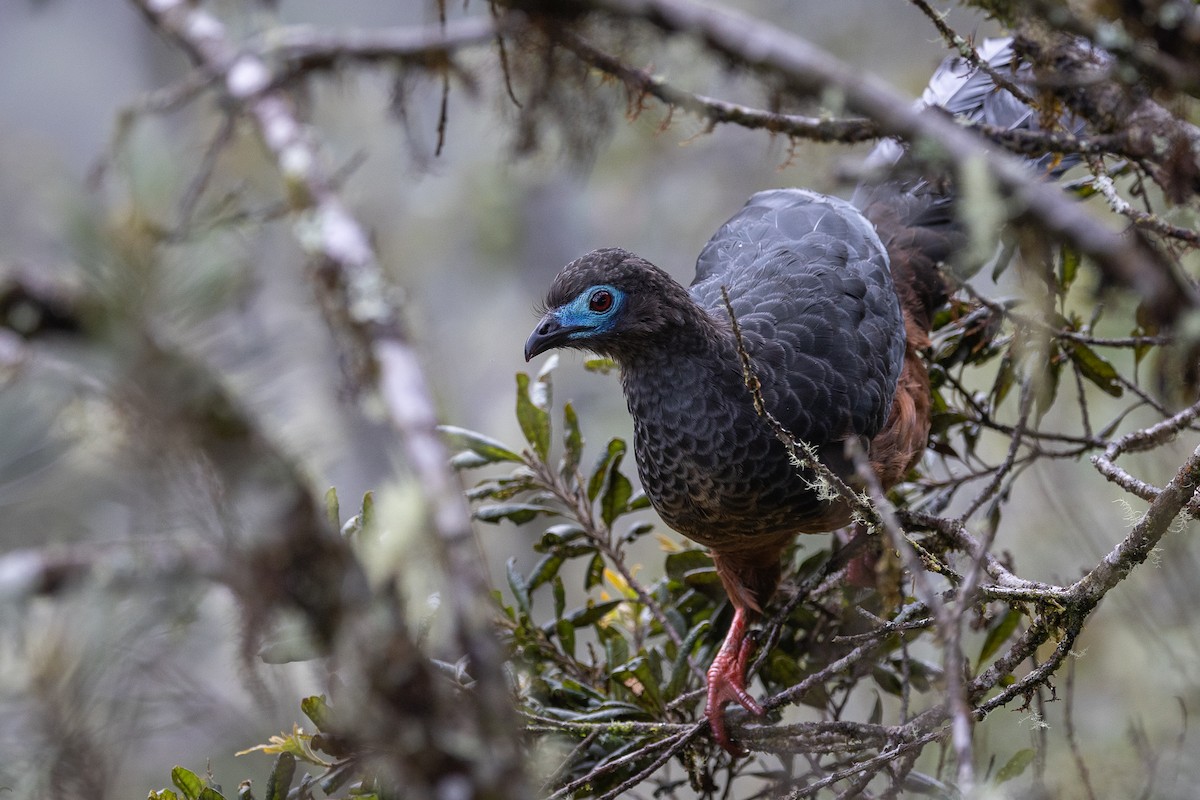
(610, 265)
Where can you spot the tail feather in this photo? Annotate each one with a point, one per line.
(915, 216)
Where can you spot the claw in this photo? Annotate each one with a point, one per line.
(727, 682)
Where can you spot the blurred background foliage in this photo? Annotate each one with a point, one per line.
(104, 689)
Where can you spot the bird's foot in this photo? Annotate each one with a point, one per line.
(727, 683)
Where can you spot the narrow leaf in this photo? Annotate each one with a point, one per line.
(617, 491)
(468, 459)
(560, 596)
(367, 513)
(518, 513)
(280, 779)
(534, 420)
(998, 634)
(484, 446)
(516, 582)
(1016, 765)
(1093, 367)
(595, 572)
(317, 710)
(1068, 266)
(566, 636)
(600, 365)
(572, 442)
(592, 612)
(187, 782)
(616, 649)
(680, 668)
(678, 565)
(615, 449)
(1004, 380)
(1047, 387)
(545, 570)
(332, 512)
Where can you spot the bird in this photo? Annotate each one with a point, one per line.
(833, 302)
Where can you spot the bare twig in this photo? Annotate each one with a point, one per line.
(714, 111)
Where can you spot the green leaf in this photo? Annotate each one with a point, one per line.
(639, 501)
(187, 782)
(317, 710)
(1068, 266)
(557, 535)
(546, 569)
(516, 582)
(613, 710)
(572, 442)
(1146, 326)
(637, 676)
(338, 776)
(468, 459)
(1004, 380)
(1093, 367)
(600, 365)
(280, 779)
(332, 511)
(1047, 386)
(209, 793)
(998, 633)
(162, 794)
(532, 413)
(595, 572)
(484, 446)
(680, 668)
(592, 612)
(560, 596)
(367, 513)
(615, 450)
(1016, 765)
(519, 513)
(502, 488)
(920, 783)
(616, 649)
(637, 529)
(680, 564)
(566, 636)
(887, 680)
(617, 491)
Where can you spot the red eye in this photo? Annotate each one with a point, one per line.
(600, 301)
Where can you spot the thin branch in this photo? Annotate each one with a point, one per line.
(642, 82)
(967, 52)
(308, 49)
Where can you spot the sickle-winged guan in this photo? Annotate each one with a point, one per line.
(834, 302)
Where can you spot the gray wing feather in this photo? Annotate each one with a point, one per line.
(809, 282)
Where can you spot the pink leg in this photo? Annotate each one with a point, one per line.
(727, 681)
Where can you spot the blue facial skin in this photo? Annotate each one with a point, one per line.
(578, 314)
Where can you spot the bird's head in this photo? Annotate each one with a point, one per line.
(610, 302)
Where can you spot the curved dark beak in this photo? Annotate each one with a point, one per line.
(548, 334)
